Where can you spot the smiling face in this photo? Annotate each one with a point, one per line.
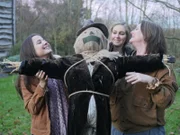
(41, 46)
(118, 35)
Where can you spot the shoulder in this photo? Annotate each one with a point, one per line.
(31, 80)
(167, 77)
(166, 72)
(129, 50)
(56, 56)
(23, 77)
(71, 58)
(110, 46)
(74, 57)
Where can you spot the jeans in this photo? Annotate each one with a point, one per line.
(154, 131)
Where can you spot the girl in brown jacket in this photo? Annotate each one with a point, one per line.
(44, 98)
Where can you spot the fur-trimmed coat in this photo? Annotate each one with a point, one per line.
(97, 77)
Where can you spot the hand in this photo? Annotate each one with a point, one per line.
(10, 66)
(133, 77)
(42, 78)
(169, 59)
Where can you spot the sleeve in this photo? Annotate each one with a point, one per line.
(143, 64)
(33, 102)
(52, 68)
(164, 94)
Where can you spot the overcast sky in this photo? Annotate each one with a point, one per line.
(110, 9)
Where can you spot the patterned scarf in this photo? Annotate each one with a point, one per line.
(58, 107)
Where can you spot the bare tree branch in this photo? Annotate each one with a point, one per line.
(178, 1)
(32, 22)
(99, 9)
(168, 5)
(140, 10)
(173, 38)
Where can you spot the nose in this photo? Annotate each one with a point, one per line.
(45, 42)
(117, 35)
(132, 32)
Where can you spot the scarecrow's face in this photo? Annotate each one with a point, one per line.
(92, 39)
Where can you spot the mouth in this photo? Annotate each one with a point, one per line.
(46, 46)
(117, 41)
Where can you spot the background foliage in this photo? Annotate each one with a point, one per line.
(59, 20)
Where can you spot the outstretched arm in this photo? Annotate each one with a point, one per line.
(147, 63)
(9, 66)
(53, 68)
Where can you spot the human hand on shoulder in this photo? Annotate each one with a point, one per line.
(42, 78)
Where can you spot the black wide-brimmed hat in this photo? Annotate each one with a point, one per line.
(90, 23)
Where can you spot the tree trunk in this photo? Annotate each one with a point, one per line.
(126, 1)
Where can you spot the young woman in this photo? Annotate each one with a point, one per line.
(119, 38)
(88, 75)
(44, 98)
(119, 42)
(138, 108)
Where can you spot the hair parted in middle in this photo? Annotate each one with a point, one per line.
(127, 30)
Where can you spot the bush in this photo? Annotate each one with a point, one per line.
(14, 58)
(15, 50)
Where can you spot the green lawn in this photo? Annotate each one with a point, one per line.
(173, 114)
(14, 120)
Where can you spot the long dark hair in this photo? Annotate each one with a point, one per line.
(27, 51)
(154, 36)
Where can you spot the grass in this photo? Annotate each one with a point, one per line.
(173, 113)
(173, 117)
(14, 120)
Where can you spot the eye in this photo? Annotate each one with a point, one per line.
(137, 28)
(122, 33)
(39, 42)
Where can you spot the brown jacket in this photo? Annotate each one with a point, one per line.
(135, 108)
(35, 104)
